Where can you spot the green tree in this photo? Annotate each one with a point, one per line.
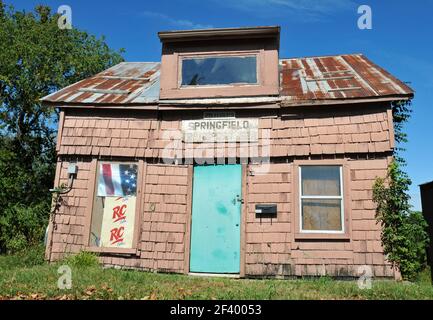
(36, 59)
(404, 232)
(404, 237)
(401, 112)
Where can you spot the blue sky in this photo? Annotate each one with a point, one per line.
(400, 41)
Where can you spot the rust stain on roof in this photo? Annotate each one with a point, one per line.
(302, 80)
(337, 77)
(124, 83)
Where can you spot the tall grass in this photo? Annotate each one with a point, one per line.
(32, 278)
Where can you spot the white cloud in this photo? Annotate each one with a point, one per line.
(175, 22)
(307, 10)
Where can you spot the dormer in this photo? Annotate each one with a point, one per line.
(214, 63)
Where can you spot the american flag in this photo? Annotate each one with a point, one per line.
(117, 180)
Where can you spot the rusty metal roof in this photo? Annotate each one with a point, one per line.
(124, 83)
(340, 77)
(302, 81)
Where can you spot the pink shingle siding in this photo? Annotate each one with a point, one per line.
(162, 231)
(362, 137)
(120, 133)
(271, 248)
(67, 228)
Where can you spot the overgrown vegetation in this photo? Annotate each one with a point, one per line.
(82, 260)
(36, 59)
(32, 256)
(401, 112)
(38, 280)
(404, 236)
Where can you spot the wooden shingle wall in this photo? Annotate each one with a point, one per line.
(68, 221)
(363, 137)
(108, 134)
(313, 133)
(163, 219)
(271, 248)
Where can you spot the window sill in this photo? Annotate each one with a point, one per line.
(321, 236)
(218, 86)
(122, 251)
(226, 91)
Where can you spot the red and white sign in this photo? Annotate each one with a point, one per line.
(118, 222)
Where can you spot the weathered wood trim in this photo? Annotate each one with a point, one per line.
(91, 186)
(141, 181)
(187, 238)
(60, 130)
(244, 212)
(391, 128)
(123, 251)
(50, 232)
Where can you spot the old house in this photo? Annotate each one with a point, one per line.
(225, 158)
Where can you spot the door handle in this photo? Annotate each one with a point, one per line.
(238, 199)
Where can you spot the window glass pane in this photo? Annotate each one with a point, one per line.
(114, 206)
(117, 179)
(321, 214)
(219, 70)
(320, 180)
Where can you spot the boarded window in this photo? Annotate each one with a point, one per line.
(113, 213)
(321, 201)
(219, 70)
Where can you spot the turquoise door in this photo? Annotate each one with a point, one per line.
(216, 212)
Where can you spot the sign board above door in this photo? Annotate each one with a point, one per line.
(220, 127)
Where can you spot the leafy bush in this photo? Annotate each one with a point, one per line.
(22, 226)
(31, 256)
(404, 236)
(425, 276)
(82, 260)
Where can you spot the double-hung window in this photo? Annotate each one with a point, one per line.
(321, 203)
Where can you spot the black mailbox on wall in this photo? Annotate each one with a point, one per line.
(266, 210)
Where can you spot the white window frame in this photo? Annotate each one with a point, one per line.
(341, 198)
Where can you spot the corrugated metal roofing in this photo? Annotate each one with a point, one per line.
(302, 81)
(336, 77)
(124, 83)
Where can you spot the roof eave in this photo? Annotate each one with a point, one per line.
(205, 34)
(297, 103)
(70, 105)
(232, 101)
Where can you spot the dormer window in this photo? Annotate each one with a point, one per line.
(219, 63)
(219, 70)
